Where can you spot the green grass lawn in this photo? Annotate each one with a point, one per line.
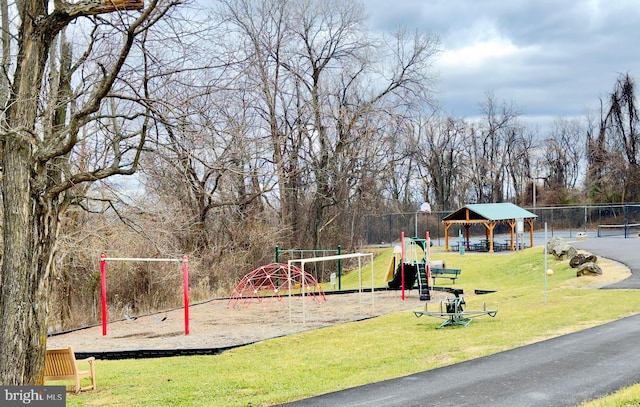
(393, 345)
(627, 397)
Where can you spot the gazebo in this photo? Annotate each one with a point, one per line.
(489, 215)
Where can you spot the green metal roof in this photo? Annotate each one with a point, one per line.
(491, 211)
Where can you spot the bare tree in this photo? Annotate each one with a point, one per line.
(334, 45)
(399, 166)
(613, 173)
(43, 131)
(258, 34)
(321, 76)
(487, 149)
(520, 146)
(563, 153)
(441, 158)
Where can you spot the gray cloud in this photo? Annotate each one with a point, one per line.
(551, 58)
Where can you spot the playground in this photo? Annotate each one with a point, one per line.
(393, 345)
(224, 323)
(214, 324)
(259, 308)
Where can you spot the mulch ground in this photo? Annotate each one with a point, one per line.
(215, 324)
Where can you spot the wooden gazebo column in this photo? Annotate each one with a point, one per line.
(512, 228)
(466, 235)
(447, 225)
(530, 222)
(490, 226)
(512, 223)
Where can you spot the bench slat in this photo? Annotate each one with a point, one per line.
(61, 364)
(446, 271)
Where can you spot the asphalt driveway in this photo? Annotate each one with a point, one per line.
(625, 251)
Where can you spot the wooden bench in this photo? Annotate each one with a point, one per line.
(61, 364)
(445, 273)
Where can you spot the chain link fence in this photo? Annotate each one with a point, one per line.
(594, 220)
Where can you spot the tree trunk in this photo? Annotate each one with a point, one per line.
(25, 276)
(35, 155)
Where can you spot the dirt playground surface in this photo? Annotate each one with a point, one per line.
(215, 324)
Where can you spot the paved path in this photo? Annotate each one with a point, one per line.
(562, 371)
(625, 251)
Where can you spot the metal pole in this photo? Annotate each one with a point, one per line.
(103, 291)
(304, 317)
(339, 268)
(402, 265)
(359, 278)
(373, 283)
(427, 263)
(141, 259)
(545, 262)
(185, 289)
(289, 286)
(626, 222)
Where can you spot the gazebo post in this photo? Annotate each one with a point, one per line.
(466, 234)
(530, 222)
(490, 227)
(512, 226)
(447, 225)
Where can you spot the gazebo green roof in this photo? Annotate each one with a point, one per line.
(491, 212)
(489, 215)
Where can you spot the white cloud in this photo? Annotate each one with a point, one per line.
(478, 53)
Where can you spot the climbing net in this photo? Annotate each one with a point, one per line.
(272, 281)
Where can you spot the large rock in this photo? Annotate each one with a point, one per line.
(560, 249)
(589, 269)
(553, 242)
(580, 259)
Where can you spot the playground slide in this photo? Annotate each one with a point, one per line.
(410, 274)
(391, 269)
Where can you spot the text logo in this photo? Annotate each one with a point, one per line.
(38, 396)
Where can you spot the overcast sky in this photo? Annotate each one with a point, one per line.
(551, 58)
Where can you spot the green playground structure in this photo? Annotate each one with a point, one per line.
(412, 267)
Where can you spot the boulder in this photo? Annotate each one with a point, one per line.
(553, 242)
(560, 249)
(580, 259)
(577, 260)
(589, 269)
